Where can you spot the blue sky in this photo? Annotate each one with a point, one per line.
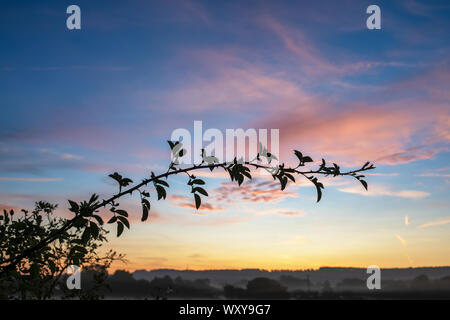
(78, 105)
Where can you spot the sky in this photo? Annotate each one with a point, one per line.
(77, 105)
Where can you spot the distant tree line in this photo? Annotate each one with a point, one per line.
(122, 285)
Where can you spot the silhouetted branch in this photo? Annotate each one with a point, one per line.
(86, 218)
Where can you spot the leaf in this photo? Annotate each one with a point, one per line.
(299, 155)
(364, 183)
(145, 209)
(125, 181)
(86, 235)
(116, 177)
(247, 174)
(93, 198)
(198, 201)
(198, 181)
(290, 176)
(122, 213)
(283, 182)
(79, 249)
(162, 182)
(98, 218)
(74, 206)
(201, 190)
(307, 159)
(94, 230)
(124, 221)
(79, 222)
(240, 179)
(319, 187)
(119, 228)
(231, 173)
(161, 192)
(112, 220)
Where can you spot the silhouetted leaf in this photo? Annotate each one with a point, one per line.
(125, 182)
(307, 159)
(94, 230)
(198, 201)
(124, 221)
(162, 182)
(93, 198)
(122, 213)
(161, 192)
(364, 183)
(79, 222)
(319, 187)
(112, 220)
(119, 228)
(116, 177)
(247, 174)
(145, 209)
(99, 219)
(74, 206)
(200, 190)
(86, 235)
(290, 176)
(79, 249)
(283, 182)
(240, 179)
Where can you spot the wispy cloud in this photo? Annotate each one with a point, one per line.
(79, 68)
(402, 241)
(378, 190)
(437, 175)
(435, 223)
(188, 203)
(380, 174)
(283, 211)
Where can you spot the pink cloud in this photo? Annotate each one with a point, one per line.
(188, 203)
(267, 191)
(394, 132)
